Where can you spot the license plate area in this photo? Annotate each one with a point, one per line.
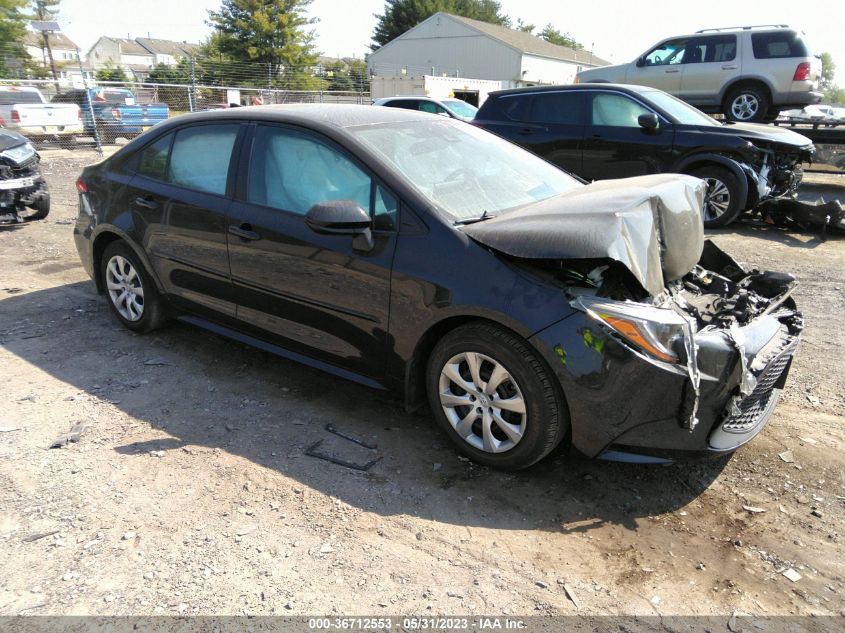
(18, 183)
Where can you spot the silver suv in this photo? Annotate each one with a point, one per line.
(749, 73)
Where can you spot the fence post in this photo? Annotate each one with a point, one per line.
(97, 142)
(191, 93)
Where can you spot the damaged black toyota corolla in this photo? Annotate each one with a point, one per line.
(406, 251)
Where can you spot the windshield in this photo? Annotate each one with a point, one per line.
(11, 97)
(463, 170)
(680, 111)
(461, 108)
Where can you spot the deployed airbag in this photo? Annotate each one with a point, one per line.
(651, 224)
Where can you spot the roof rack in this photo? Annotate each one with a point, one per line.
(746, 28)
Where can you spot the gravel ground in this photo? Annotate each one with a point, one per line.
(189, 490)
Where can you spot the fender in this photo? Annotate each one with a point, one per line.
(125, 236)
(740, 170)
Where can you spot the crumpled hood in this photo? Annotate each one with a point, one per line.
(9, 139)
(759, 132)
(651, 224)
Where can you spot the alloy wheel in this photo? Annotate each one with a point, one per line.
(125, 288)
(718, 199)
(745, 107)
(482, 402)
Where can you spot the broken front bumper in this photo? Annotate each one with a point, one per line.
(623, 402)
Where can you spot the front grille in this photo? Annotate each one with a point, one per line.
(757, 403)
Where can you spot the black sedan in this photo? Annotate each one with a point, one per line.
(412, 252)
(600, 131)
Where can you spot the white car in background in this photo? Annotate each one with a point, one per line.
(23, 109)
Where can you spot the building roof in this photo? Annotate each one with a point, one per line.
(530, 44)
(127, 47)
(57, 40)
(167, 47)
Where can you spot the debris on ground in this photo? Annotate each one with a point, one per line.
(72, 437)
(791, 213)
(753, 509)
(792, 575)
(787, 457)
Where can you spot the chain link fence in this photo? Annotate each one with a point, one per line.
(76, 110)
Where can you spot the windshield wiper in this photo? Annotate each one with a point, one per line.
(480, 218)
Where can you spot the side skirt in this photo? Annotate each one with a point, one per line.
(281, 351)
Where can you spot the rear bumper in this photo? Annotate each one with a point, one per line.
(798, 97)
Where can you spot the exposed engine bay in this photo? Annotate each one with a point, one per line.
(634, 259)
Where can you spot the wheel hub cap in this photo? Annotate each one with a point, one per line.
(125, 289)
(717, 200)
(482, 402)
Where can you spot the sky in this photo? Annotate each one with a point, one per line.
(617, 30)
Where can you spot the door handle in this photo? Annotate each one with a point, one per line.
(146, 203)
(244, 231)
(673, 70)
(730, 67)
(526, 131)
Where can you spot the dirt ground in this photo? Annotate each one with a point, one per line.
(190, 492)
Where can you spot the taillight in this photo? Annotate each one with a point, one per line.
(577, 80)
(81, 185)
(802, 73)
(79, 114)
(16, 116)
(115, 113)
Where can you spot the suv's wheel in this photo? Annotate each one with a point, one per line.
(721, 202)
(494, 397)
(746, 103)
(132, 294)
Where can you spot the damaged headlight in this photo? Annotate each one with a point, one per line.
(654, 331)
(19, 154)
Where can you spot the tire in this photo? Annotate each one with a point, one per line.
(534, 429)
(41, 209)
(721, 203)
(746, 103)
(123, 277)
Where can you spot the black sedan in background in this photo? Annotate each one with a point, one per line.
(413, 252)
(599, 131)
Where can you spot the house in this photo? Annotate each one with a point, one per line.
(167, 51)
(450, 45)
(63, 48)
(138, 57)
(118, 52)
(65, 58)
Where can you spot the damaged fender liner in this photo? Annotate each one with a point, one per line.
(651, 224)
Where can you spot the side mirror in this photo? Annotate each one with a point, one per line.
(640, 62)
(649, 121)
(342, 217)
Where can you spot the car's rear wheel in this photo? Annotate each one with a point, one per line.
(131, 293)
(494, 397)
(721, 202)
(746, 103)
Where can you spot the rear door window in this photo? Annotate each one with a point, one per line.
(517, 108)
(153, 160)
(713, 48)
(558, 108)
(778, 44)
(201, 155)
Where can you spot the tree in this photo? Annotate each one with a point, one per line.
(402, 15)
(13, 57)
(110, 72)
(47, 11)
(828, 71)
(551, 34)
(524, 26)
(267, 38)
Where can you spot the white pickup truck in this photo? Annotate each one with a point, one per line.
(24, 110)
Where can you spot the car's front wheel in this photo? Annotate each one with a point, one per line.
(721, 202)
(132, 294)
(494, 397)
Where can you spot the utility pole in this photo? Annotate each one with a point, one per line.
(44, 16)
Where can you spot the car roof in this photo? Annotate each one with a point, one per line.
(574, 87)
(417, 97)
(336, 116)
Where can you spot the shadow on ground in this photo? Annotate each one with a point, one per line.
(206, 391)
